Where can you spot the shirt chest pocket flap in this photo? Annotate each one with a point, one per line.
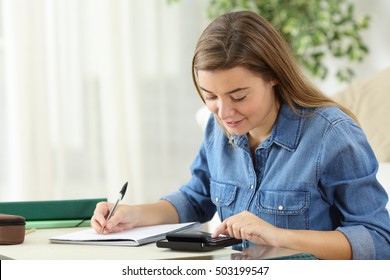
(222, 194)
(283, 202)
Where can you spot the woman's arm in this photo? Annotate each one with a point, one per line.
(328, 245)
(322, 244)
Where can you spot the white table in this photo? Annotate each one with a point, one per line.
(38, 247)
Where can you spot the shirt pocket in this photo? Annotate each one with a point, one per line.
(223, 195)
(284, 209)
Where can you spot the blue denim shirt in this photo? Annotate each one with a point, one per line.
(316, 171)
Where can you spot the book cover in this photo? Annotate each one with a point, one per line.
(78, 209)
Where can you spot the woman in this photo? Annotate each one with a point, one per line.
(282, 163)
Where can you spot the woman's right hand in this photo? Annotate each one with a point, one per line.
(123, 218)
(129, 216)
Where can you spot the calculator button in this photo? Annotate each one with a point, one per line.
(217, 239)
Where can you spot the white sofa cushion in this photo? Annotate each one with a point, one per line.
(369, 100)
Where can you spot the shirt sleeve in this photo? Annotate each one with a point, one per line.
(361, 241)
(347, 170)
(192, 201)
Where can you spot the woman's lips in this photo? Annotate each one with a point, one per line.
(233, 124)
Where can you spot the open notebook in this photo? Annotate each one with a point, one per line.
(133, 237)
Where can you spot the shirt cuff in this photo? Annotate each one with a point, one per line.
(363, 247)
(183, 207)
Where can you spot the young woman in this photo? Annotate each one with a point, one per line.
(282, 163)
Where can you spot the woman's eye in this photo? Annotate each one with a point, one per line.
(238, 99)
(209, 98)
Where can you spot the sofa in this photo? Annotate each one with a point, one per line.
(369, 100)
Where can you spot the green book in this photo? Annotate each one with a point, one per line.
(57, 223)
(52, 210)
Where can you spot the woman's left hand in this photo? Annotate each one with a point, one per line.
(248, 226)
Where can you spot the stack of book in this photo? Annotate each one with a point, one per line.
(53, 213)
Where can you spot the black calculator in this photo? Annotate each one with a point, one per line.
(196, 241)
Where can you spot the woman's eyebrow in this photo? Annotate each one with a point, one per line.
(229, 92)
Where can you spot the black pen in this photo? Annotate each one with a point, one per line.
(121, 195)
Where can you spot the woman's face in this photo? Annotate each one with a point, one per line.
(242, 100)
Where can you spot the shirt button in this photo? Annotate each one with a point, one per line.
(252, 186)
(217, 199)
(280, 207)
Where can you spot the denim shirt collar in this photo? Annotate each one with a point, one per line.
(285, 133)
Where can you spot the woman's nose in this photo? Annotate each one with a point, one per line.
(225, 110)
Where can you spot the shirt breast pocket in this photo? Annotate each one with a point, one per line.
(284, 209)
(223, 195)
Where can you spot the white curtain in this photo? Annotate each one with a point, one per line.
(94, 93)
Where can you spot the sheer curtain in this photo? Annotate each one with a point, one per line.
(95, 93)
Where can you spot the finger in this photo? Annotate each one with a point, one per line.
(96, 225)
(252, 234)
(98, 220)
(231, 227)
(245, 232)
(224, 228)
(235, 227)
(117, 228)
(116, 220)
(220, 229)
(234, 231)
(101, 211)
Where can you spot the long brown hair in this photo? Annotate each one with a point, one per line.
(244, 38)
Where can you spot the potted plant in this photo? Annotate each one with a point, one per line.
(315, 30)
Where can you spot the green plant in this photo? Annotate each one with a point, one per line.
(315, 30)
